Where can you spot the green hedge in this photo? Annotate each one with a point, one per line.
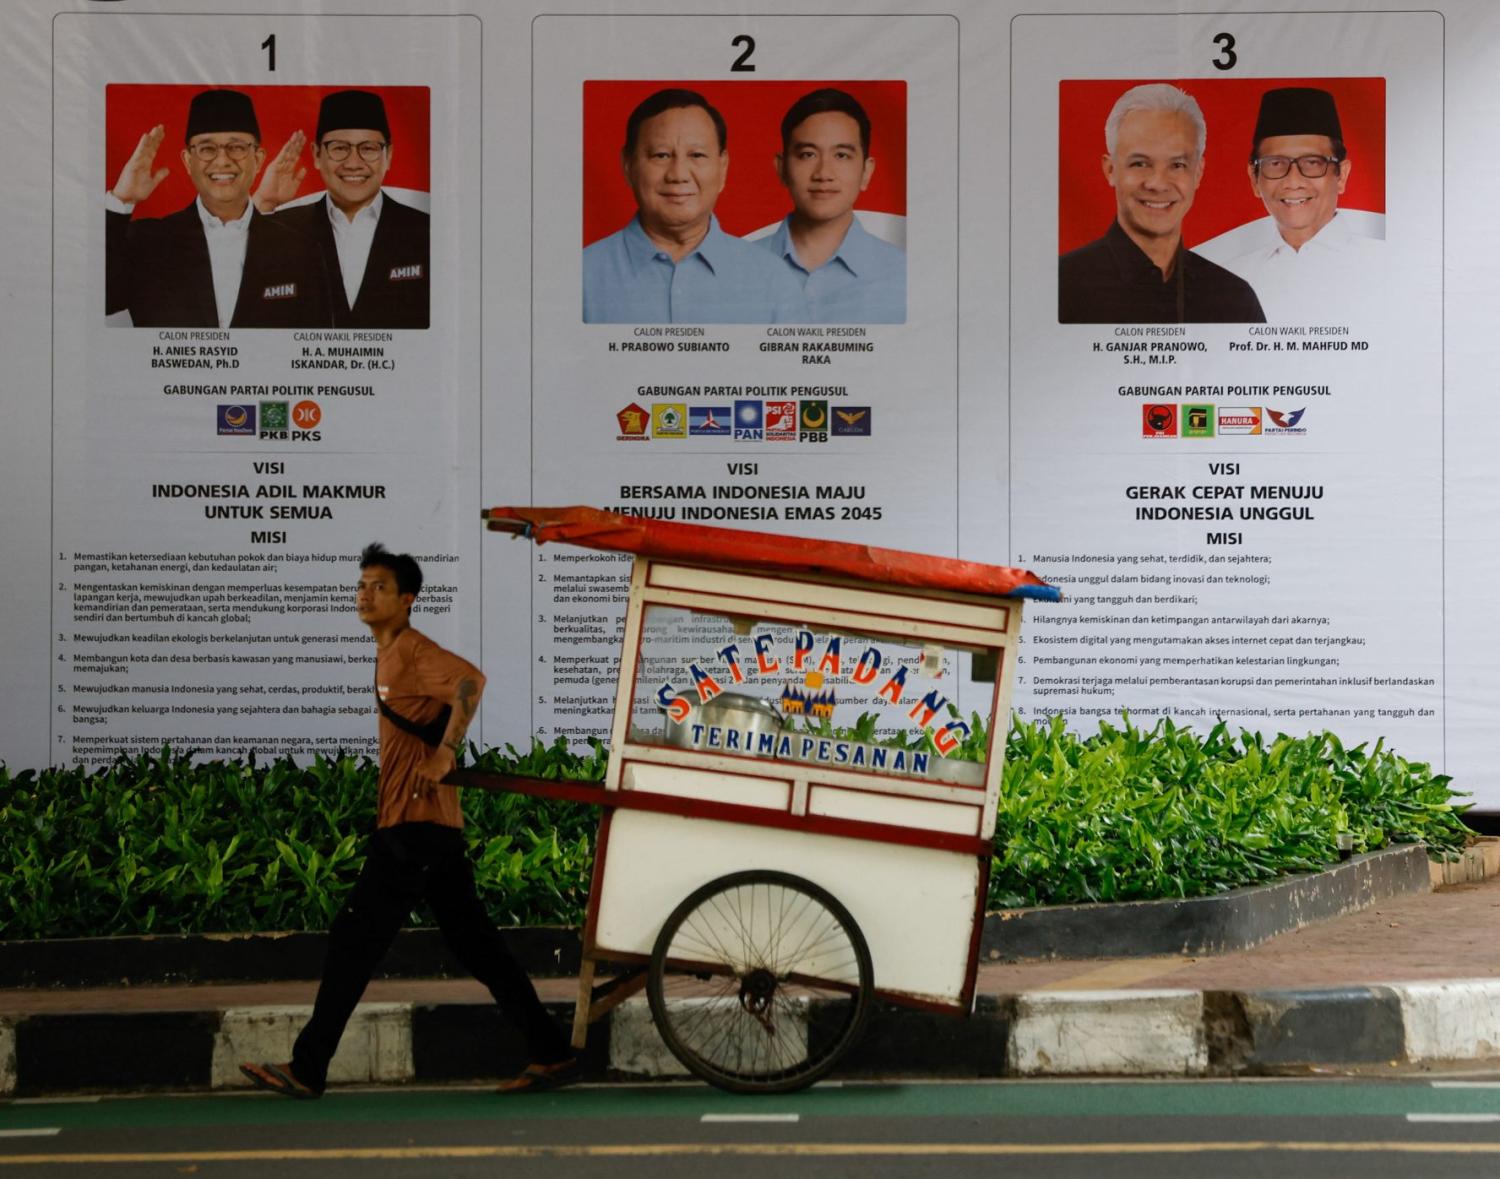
(161, 844)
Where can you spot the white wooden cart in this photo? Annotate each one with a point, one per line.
(764, 868)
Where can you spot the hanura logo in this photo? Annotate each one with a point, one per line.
(1245, 420)
(669, 419)
(708, 421)
(781, 421)
(1159, 421)
(1197, 421)
(236, 419)
(813, 420)
(633, 419)
(749, 422)
(851, 421)
(1286, 421)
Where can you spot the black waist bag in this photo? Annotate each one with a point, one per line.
(429, 734)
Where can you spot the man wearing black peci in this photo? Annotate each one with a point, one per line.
(376, 249)
(218, 262)
(427, 696)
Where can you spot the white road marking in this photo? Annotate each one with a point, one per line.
(1466, 1084)
(1454, 1117)
(91, 1099)
(778, 1117)
(34, 1132)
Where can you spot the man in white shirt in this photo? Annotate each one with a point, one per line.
(1306, 262)
(376, 249)
(216, 263)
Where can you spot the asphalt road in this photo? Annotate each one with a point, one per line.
(1285, 1128)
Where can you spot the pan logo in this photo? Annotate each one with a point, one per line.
(1159, 421)
(749, 422)
(236, 419)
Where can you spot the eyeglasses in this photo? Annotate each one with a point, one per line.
(235, 149)
(1275, 167)
(338, 149)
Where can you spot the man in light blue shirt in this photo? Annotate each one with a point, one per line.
(673, 263)
(847, 273)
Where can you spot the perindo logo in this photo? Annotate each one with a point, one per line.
(236, 419)
(749, 421)
(1242, 420)
(852, 421)
(708, 421)
(1159, 421)
(813, 421)
(1197, 421)
(1286, 421)
(633, 420)
(669, 419)
(781, 421)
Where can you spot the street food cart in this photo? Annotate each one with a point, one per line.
(797, 817)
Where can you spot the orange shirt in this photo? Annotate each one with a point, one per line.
(416, 678)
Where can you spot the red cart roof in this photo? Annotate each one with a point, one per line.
(702, 544)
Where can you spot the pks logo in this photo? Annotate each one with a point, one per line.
(708, 421)
(236, 419)
(1159, 421)
(1240, 421)
(669, 419)
(749, 422)
(633, 420)
(1197, 421)
(851, 421)
(1286, 421)
(781, 421)
(306, 415)
(813, 420)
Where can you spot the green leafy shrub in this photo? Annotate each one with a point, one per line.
(163, 844)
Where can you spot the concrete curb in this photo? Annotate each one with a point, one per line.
(1042, 1033)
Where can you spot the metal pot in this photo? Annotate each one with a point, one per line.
(728, 710)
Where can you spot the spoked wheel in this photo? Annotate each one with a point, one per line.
(759, 982)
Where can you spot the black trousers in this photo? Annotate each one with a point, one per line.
(404, 865)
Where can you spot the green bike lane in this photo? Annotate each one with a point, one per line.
(1144, 1127)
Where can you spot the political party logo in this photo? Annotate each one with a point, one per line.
(781, 421)
(633, 420)
(236, 419)
(275, 415)
(1244, 420)
(812, 420)
(669, 419)
(1197, 421)
(709, 421)
(1159, 421)
(306, 415)
(1286, 421)
(749, 421)
(851, 421)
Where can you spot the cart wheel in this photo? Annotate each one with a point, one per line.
(759, 982)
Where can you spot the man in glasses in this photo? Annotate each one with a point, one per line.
(1299, 167)
(376, 249)
(216, 263)
(1139, 271)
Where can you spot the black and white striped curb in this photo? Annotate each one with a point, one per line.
(1126, 1033)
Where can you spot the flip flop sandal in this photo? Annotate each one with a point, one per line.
(277, 1078)
(537, 1078)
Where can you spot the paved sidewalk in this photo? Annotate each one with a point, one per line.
(1414, 979)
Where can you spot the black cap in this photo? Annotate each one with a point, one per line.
(221, 110)
(352, 108)
(1297, 110)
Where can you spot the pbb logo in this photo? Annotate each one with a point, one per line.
(1159, 421)
(813, 419)
(236, 419)
(781, 421)
(749, 422)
